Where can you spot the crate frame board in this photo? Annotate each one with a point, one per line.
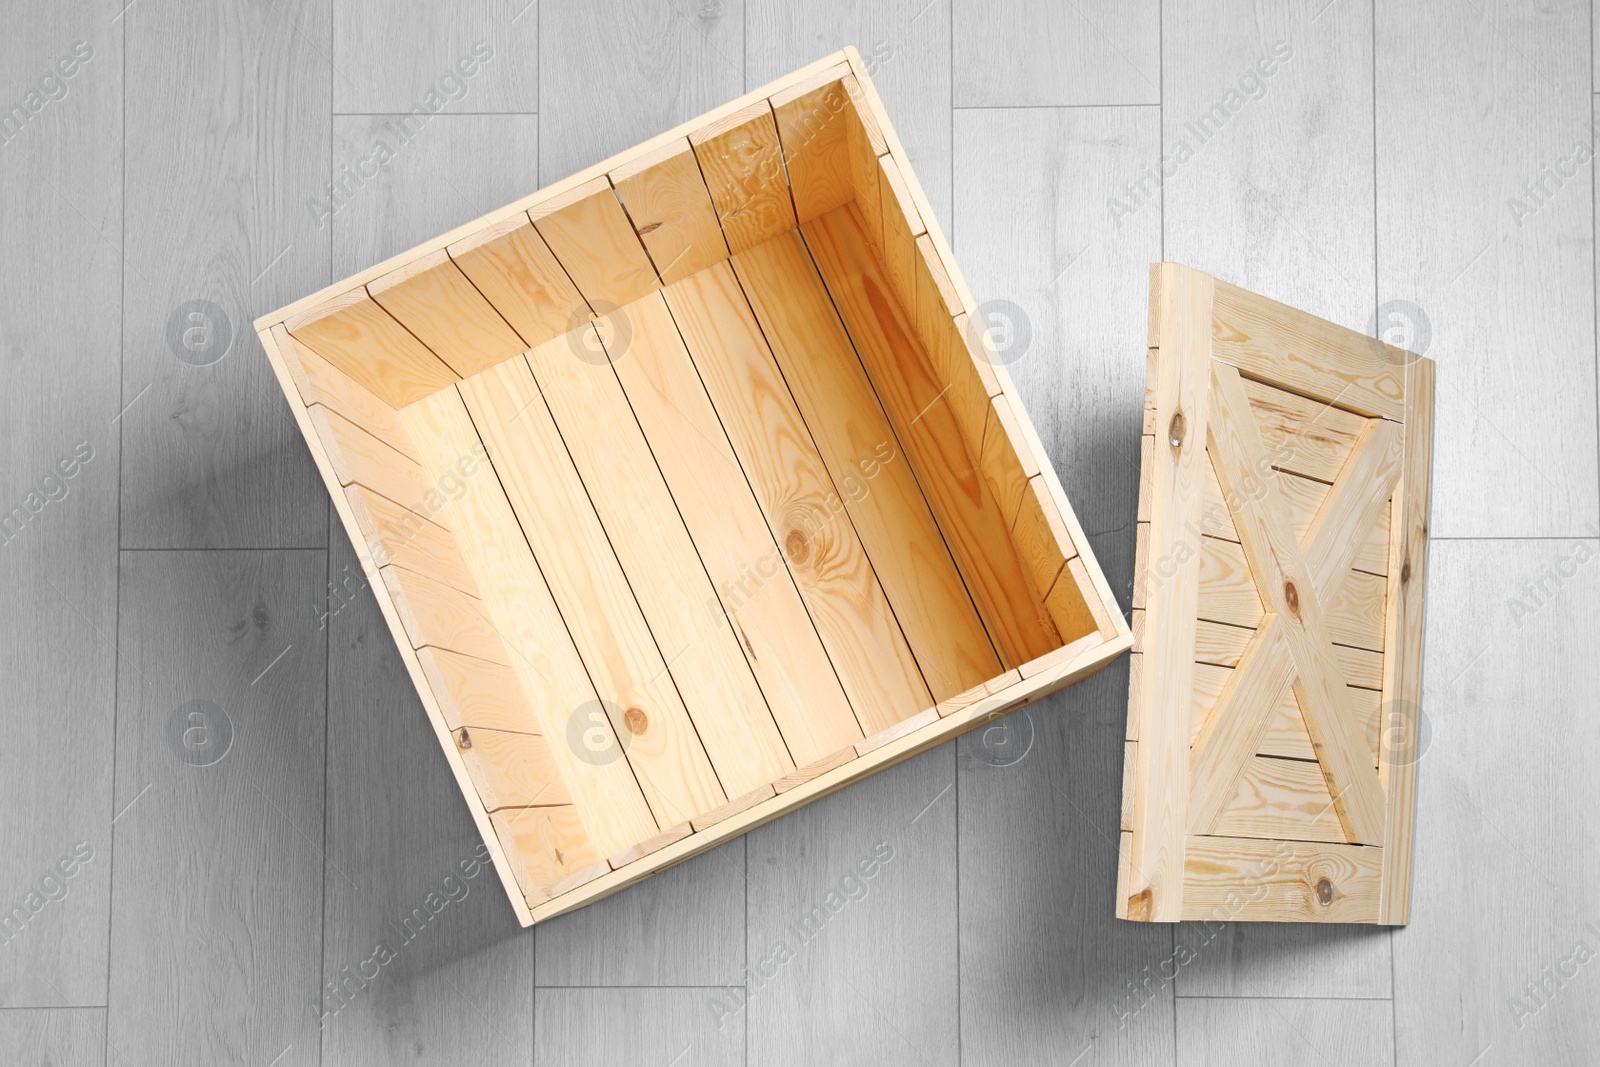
(579, 753)
(1278, 598)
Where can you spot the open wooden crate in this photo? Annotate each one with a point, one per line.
(690, 489)
(1278, 586)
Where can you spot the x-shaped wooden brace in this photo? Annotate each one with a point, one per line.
(1291, 644)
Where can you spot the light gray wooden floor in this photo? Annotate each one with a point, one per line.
(1429, 160)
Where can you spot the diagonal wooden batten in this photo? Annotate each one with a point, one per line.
(1233, 731)
(1285, 579)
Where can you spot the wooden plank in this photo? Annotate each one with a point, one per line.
(1402, 663)
(511, 770)
(811, 130)
(1302, 436)
(743, 167)
(866, 459)
(477, 693)
(439, 616)
(645, 530)
(1007, 462)
(649, 845)
(1287, 881)
(1181, 310)
(365, 342)
(1282, 573)
(358, 458)
(1039, 535)
(1049, 56)
(1302, 497)
(400, 537)
(547, 666)
(1310, 355)
(753, 585)
(64, 431)
(671, 210)
(71, 1038)
(591, 592)
(634, 1025)
(1255, 1030)
(863, 145)
(198, 631)
(442, 58)
(1222, 645)
(1280, 799)
(1354, 611)
(967, 513)
(405, 867)
(1285, 734)
(432, 298)
(593, 240)
(320, 382)
(546, 844)
(802, 506)
(733, 807)
(516, 272)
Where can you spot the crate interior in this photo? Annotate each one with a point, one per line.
(688, 483)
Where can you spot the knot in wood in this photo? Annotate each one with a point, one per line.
(796, 546)
(1324, 892)
(1405, 572)
(464, 739)
(1291, 597)
(1176, 428)
(636, 720)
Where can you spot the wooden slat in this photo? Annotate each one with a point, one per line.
(1007, 462)
(660, 841)
(1302, 436)
(1236, 725)
(544, 845)
(593, 240)
(870, 471)
(1302, 497)
(546, 663)
(733, 807)
(476, 693)
(440, 616)
(753, 586)
(1181, 314)
(320, 382)
(1233, 879)
(1269, 340)
(516, 272)
(1067, 604)
(805, 773)
(811, 130)
(743, 168)
(1280, 799)
(1039, 535)
(356, 335)
(358, 458)
(1285, 733)
(1402, 677)
(511, 770)
(800, 502)
(863, 145)
(1284, 577)
(1354, 611)
(669, 204)
(591, 591)
(641, 521)
(967, 513)
(435, 301)
(1223, 645)
(401, 537)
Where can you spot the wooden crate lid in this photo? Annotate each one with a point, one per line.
(1282, 542)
